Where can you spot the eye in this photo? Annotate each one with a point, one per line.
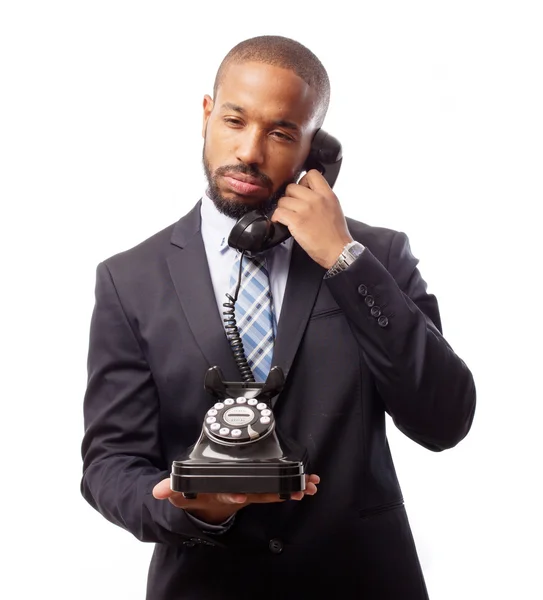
(233, 121)
(282, 136)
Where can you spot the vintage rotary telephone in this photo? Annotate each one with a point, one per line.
(239, 449)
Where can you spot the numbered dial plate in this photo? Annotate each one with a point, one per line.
(238, 420)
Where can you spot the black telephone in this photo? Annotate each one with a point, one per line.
(255, 232)
(239, 449)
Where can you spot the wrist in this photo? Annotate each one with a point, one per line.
(350, 252)
(213, 516)
(335, 252)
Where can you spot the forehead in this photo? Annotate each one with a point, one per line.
(269, 91)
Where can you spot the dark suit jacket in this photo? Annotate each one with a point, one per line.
(352, 347)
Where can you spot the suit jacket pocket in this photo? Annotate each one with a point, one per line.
(368, 513)
(326, 312)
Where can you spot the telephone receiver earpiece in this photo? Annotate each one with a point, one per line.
(326, 156)
(255, 232)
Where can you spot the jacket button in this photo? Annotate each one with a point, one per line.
(362, 290)
(376, 311)
(383, 321)
(276, 546)
(369, 301)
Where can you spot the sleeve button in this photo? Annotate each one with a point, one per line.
(276, 546)
(362, 290)
(376, 311)
(383, 321)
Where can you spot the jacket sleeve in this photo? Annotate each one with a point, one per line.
(427, 389)
(121, 447)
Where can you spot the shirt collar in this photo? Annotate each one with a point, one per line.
(215, 226)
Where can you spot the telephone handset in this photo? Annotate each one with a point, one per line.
(255, 232)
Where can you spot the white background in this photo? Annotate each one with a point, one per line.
(439, 109)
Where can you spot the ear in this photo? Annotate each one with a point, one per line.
(208, 107)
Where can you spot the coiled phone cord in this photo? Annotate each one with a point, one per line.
(232, 331)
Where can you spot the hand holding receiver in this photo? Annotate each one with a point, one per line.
(313, 215)
(216, 508)
(256, 232)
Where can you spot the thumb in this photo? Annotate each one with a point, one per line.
(162, 490)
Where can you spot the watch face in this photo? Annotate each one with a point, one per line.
(356, 250)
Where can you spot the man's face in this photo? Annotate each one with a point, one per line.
(257, 133)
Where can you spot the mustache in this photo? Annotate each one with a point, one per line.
(245, 170)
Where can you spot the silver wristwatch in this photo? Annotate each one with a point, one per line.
(349, 254)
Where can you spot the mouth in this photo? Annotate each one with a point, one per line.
(245, 185)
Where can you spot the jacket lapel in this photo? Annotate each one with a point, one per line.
(190, 274)
(303, 284)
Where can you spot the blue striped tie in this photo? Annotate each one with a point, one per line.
(254, 314)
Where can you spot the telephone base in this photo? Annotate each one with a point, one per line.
(254, 477)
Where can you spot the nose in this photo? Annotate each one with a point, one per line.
(250, 148)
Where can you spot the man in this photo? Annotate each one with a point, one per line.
(355, 339)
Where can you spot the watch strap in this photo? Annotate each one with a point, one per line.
(349, 254)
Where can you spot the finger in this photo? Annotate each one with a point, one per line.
(311, 489)
(298, 191)
(287, 211)
(162, 490)
(314, 180)
(289, 202)
(313, 479)
(231, 498)
(263, 498)
(286, 216)
(304, 181)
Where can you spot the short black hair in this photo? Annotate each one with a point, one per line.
(282, 52)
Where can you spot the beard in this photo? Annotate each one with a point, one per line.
(239, 208)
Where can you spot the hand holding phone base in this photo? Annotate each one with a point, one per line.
(239, 449)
